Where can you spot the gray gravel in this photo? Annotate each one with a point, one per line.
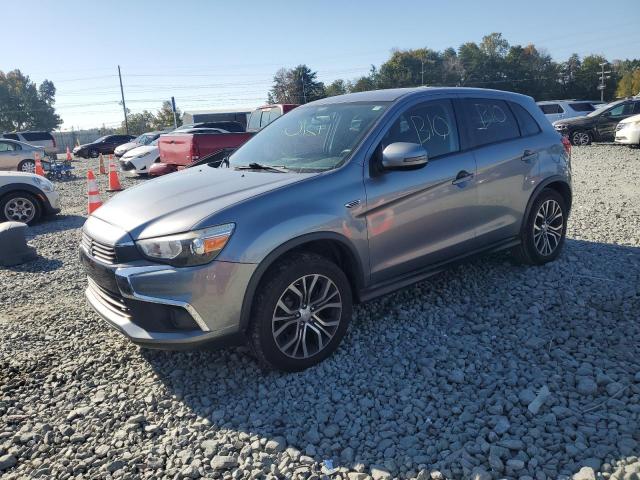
(490, 370)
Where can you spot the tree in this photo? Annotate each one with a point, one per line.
(140, 122)
(297, 85)
(164, 116)
(23, 106)
(337, 87)
(629, 84)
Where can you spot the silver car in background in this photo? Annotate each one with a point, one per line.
(337, 202)
(19, 156)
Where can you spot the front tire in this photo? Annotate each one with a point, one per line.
(300, 313)
(581, 138)
(20, 207)
(544, 230)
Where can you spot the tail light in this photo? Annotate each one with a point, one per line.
(194, 151)
(567, 145)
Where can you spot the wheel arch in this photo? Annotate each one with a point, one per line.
(328, 244)
(24, 188)
(557, 183)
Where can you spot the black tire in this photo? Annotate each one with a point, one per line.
(93, 153)
(529, 251)
(580, 138)
(275, 285)
(27, 165)
(23, 199)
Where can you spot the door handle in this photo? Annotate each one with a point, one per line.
(527, 155)
(461, 177)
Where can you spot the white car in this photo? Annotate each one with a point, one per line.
(628, 131)
(26, 197)
(144, 139)
(138, 160)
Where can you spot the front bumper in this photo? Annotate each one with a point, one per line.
(160, 306)
(53, 200)
(628, 136)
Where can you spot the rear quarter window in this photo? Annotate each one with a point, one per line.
(582, 107)
(489, 121)
(36, 136)
(528, 125)
(551, 108)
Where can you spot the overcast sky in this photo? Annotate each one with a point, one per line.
(211, 54)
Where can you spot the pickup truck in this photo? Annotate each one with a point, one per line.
(178, 150)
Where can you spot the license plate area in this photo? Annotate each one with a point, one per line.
(101, 274)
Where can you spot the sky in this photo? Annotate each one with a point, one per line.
(215, 54)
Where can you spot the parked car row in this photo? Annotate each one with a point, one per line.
(44, 140)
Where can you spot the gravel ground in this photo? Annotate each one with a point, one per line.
(490, 370)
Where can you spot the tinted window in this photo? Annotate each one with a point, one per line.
(528, 125)
(254, 120)
(12, 136)
(551, 108)
(7, 147)
(636, 108)
(431, 124)
(621, 110)
(582, 107)
(489, 121)
(36, 136)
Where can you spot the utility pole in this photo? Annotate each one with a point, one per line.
(422, 70)
(304, 93)
(124, 107)
(602, 84)
(173, 107)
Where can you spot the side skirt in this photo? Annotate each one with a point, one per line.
(416, 276)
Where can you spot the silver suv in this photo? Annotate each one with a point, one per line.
(337, 202)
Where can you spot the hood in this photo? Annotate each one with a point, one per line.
(584, 120)
(134, 152)
(634, 118)
(126, 146)
(176, 202)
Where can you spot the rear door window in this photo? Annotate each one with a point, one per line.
(254, 120)
(489, 121)
(621, 110)
(264, 121)
(551, 108)
(636, 108)
(528, 125)
(7, 146)
(430, 124)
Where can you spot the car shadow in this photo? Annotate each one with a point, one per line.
(57, 223)
(37, 265)
(389, 395)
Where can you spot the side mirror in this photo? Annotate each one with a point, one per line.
(404, 155)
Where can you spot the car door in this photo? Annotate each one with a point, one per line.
(416, 218)
(506, 162)
(608, 121)
(9, 155)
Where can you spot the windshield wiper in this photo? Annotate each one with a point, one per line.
(260, 166)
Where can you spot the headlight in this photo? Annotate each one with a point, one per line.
(190, 248)
(44, 184)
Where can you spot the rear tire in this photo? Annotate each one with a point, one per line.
(544, 230)
(300, 312)
(581, 138)
(28, 166)
(20, 207)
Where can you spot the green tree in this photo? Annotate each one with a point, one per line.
(140, 122)
(164, 117)
(297, 85)
(23, 106)
(629, 84)
(337, 87)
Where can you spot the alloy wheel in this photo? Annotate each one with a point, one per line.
(307, 316)
(548, 227)
(20, 209)
(581, 138)
(29, 167)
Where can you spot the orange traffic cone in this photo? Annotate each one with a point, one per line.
(93, 194)
(68, 154)
(114, 181)
(101, 169)
(39, 169)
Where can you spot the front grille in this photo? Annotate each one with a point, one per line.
(111, 301)
(104, 253)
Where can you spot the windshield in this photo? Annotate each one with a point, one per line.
(310, 138)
